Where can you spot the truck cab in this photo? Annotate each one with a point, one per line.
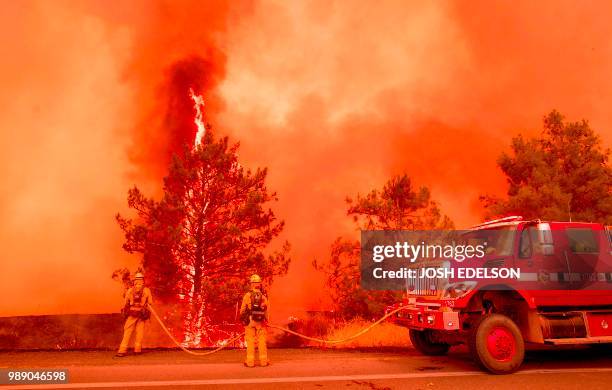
(563, 295)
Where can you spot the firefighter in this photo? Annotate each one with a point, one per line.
(254, 316)
(136, 310)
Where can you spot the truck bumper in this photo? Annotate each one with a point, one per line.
(418, 317)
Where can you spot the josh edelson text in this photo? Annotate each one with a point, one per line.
(450, 273)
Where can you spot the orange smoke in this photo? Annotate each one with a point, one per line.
(333, 98)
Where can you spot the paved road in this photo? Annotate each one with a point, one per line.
(318, 369)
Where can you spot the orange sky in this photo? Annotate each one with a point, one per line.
(333, 98)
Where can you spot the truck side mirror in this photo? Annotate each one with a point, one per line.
(545, 239)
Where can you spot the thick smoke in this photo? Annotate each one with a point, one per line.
(168, 134)
(63, 162)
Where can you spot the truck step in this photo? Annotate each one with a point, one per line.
(583, 340)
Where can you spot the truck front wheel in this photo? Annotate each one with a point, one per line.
(496, 344)
(421, 340)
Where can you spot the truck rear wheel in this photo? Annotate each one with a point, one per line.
(496, 344)
(421, 340)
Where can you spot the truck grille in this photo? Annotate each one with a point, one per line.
(426, 286)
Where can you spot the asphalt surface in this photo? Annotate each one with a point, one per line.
(584, 368)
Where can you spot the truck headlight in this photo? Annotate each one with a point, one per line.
(455, 290)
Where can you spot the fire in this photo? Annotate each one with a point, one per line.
(198, 105)
(196, 325)
(193, 331)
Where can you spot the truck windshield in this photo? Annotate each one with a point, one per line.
(498, 241)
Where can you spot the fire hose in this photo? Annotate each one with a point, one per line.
(315, 339)
(161, 323)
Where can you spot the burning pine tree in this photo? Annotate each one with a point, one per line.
(207, 233)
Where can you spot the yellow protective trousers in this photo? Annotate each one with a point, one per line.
(255, 335)
(131, 324)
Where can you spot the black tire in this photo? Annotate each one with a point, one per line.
(496, 344)
(422, 342)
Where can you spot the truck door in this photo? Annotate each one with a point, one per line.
(582, 253)
(539, 259)
(542, 264)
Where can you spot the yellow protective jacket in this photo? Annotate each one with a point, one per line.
(246, 305)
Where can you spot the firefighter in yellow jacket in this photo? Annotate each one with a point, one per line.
(136, 309)
(254, 314)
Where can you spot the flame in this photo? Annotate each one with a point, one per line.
(198, 105)
(194, 326)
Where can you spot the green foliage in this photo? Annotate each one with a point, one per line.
(561, 174)
(397, 207)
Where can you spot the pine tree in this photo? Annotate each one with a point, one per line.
(562, 174)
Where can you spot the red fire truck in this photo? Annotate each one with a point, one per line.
(564, 294)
